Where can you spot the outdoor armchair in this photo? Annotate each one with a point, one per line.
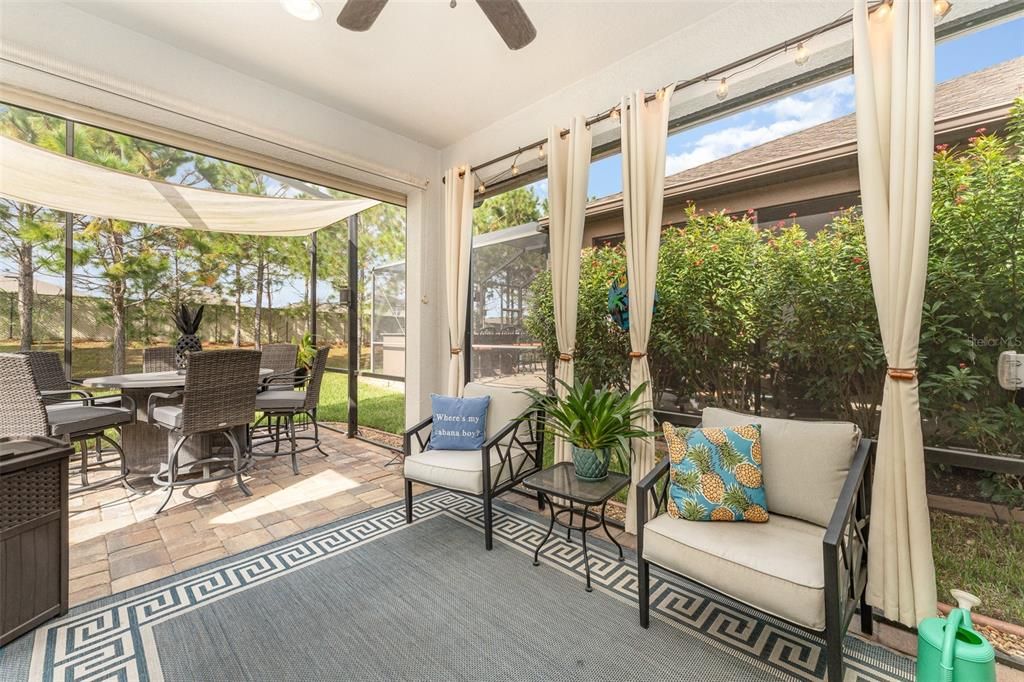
(808, 563)
(75, 420)
(277, 405)
(219, 398)
(513, 449)
(280, 359)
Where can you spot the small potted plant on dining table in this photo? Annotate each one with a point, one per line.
(598, 422)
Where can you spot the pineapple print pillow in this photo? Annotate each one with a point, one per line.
(715, 474)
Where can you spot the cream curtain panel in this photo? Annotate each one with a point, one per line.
(568, 172)
(894, 66)
(458, 247)
(37, 176)
(644, 135)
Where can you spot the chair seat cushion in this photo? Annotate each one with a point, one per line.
(460, 469)
(280, 400)
(168, 415)
(774, 566)
(71, 419)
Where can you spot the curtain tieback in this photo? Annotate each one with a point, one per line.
(456, 350)
(902, 373)
(565, 357)
(636, 354)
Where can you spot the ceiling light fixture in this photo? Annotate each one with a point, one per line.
(307, 10)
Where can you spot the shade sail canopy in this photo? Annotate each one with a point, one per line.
(37, 176)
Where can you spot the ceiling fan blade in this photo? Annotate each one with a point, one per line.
(510, 21)
(359, 15)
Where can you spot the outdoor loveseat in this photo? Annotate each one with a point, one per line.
(513, 449)
(808, 563)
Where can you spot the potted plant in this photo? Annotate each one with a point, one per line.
(306, 354)
(598, 422)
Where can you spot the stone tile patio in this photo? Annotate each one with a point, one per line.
(118, 542)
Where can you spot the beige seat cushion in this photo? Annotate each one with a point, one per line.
(775, 567)
(459, 469)
(804, 463)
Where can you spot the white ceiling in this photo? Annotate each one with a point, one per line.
(424, 70)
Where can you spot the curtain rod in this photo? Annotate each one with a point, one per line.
(777, 48)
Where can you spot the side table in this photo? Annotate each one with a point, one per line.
(560, 481)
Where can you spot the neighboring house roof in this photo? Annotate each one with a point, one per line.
(988, 93)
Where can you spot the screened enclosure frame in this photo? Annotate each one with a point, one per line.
(350, 295)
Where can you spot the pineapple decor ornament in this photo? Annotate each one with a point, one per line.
(187, 322)
(716, 474)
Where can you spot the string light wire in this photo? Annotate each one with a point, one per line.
(942, 8)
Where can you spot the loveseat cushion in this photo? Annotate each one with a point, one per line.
(804, 463)
(716, 474)
(775, 566)
(460, 469)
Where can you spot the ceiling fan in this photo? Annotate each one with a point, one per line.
(507, 16)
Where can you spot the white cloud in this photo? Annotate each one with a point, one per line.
(790, 114)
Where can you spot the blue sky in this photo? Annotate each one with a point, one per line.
(801, 110)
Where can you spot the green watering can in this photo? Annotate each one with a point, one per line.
(949, 650)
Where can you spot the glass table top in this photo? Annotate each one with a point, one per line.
(560, 480)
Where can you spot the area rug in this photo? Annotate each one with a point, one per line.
(371, 598)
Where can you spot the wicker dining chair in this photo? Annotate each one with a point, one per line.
(74, 420)
(219, 397)
(53, 385)
(158, 359)
(280, 358)
(286, 405)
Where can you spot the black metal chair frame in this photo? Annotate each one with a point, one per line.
(531, 442)
(274, 416)
(169, 479)
(82, 438)
(844, 552)
(48, 373)
(238, 462)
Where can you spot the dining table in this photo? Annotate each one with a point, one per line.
(145, 445)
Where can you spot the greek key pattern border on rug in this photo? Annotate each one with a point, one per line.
(109, 642)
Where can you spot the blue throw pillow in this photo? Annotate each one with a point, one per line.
(459, 423)
(716, 474)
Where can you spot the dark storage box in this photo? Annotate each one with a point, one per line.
(33, 533)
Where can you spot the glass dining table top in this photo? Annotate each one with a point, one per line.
(168, 379)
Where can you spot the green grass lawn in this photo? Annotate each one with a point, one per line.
(379, 407)
(984, 557)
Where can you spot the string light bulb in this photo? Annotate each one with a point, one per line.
(540, 152)
(802, 55)
(482, 188)
(941, 8)
(883, 10)
(614, 114)
(515, 169)
(722, 91)
(660, 94)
